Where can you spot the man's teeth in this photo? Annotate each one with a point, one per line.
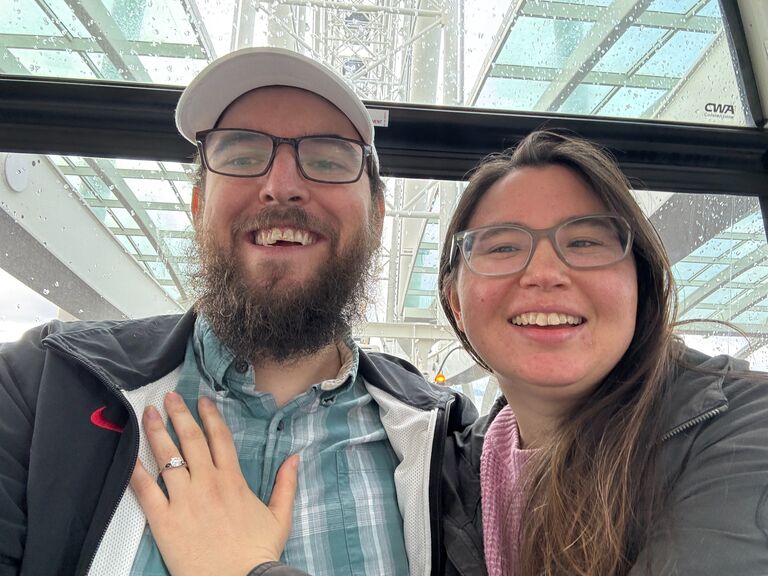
(546, 319)
(271, 236)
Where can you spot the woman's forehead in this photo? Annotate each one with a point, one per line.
(537, 197)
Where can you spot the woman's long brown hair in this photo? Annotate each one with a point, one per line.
(589, 504)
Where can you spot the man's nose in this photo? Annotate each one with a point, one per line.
(283, 183)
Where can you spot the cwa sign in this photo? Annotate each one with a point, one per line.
(719, 110)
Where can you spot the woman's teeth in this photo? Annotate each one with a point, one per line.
(546, 319)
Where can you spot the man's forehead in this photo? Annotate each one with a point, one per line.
(279, 103)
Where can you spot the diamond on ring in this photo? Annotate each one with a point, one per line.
(175, 462)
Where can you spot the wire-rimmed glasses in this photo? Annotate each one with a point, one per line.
(247, 153)
(584, 243)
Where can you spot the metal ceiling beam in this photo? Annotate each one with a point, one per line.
(64, 43)
(602, 78)
(106, 173)
(409, 330)
(711, 214)
(77, 44)
(500, 39)
(199, 28)
(94, 16)
(138, 232)
(30, 262)
(54, 238)
(653, 19)
(616, 18)
(9, 64)
(735, 307)
(355, 7)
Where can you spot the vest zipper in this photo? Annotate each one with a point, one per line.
(116, 391)
(708, 415)
(434, 489)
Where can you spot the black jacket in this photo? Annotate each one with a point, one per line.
(712, 465)
(63, 470)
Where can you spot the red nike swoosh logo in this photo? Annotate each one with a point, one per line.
(97, 418)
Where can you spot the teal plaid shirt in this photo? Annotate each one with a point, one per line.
(346, 519)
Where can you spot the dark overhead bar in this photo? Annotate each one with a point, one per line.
(115, 120)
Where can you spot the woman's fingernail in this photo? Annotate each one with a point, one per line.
(151, 413)
(206, 403)
(173, 398)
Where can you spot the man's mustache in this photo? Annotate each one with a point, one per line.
(281, 217)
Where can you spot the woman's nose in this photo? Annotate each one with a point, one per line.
(545, 267)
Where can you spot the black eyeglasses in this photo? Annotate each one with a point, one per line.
(584, 242)
(247, 153)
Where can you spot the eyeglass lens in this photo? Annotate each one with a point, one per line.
(243, 153)
(582, 243)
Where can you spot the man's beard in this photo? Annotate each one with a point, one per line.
(275, 319)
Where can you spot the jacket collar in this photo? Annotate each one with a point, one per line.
(401, 380)
(694, 390)
(124, 353)
(129, 354)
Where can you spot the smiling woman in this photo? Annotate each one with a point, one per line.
(582, 274)
(614, 449)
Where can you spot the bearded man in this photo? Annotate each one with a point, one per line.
(288, 215)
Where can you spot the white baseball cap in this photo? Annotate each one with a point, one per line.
(229, 77)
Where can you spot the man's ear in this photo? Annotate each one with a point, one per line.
(197, 201)
(455, 304)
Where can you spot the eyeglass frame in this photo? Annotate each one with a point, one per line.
(536, 235)
(294, 143)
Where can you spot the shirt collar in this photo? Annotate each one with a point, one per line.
(223, 370)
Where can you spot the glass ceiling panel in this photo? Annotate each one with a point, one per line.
(127, 244)
(66, 19)
(616, 59)
(631, 102)
(590, 57)
(585, 97)
(677, 55)
(140, 20)
(633, 45)
(674, 6)
(711, 10)
(512, 93)
(144, 246)
(556, 40)
(587, 2)
(752, 276)
(153, 190)
(26, 18)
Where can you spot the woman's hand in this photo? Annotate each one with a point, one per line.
(210, 522)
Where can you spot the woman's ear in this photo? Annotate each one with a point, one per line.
(453, 300)
(197, 200)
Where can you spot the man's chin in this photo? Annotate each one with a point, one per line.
(271, 277)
